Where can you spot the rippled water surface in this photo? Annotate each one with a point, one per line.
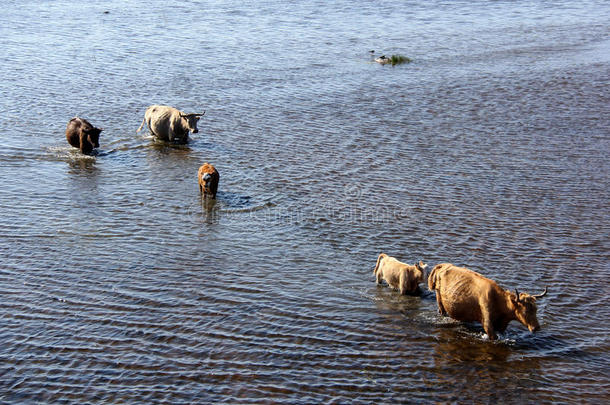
(489, 150)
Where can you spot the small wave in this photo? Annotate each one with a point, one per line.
(68, 154)
(248, 209)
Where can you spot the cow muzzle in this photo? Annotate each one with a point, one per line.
(534, 328)
(195, 130)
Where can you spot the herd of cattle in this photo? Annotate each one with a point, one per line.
(164, 123)
(461, 293)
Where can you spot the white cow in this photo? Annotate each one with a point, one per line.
(170, 124)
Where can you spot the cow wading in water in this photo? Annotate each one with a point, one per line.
(468, 296)
(81, 134)
(208, 178)
(399, 276)
(170, 124)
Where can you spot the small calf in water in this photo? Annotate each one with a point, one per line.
(399, 275)
(208, 178)
(81, 134)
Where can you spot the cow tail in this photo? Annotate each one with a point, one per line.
(378, 261)
(432, 278)
(141, 126)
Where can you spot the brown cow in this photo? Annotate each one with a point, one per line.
(468, 296)
(169, 124)
(399, 275)
(81, 134)
(208, 178)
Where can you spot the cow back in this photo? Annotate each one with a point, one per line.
(464, 293)
(212, 183)
(73, 131)
(165, 122)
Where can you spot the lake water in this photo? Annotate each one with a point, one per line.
(490, 150)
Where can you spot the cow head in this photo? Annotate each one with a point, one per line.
(525, 308)
(190, 121)
(206, 180)
(421, 266)
(89, 138)
(93, 135)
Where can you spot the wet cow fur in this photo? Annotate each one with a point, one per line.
(399, 275)
(170, 124)
(81, 134)
(467, 296)
(208, 178)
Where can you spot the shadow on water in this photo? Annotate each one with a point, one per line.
(516, 337)
(226, 205)
(168, 147)
(464, 364)
(207, 210)
(452, 347)
(396, 307)
(82, 166)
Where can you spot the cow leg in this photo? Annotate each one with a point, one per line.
(150, 129)
(410, 286)
(171, 135)
(489, 328)
(378, 274)
(86, 147)
(439, 302)
(149, 126)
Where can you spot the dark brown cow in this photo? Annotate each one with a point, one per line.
(208, 178)
(81, 134)
(399, 276)
(468, 296)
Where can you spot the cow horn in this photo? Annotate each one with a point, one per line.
(546, 289)
(517, 294)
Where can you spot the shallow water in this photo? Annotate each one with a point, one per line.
(120, 284)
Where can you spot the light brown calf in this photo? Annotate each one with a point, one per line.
(208, 178)
(399, 275)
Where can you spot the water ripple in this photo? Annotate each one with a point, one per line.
(121, 284)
